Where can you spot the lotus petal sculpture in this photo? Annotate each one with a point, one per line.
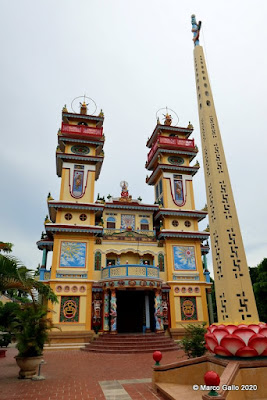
(237, 340)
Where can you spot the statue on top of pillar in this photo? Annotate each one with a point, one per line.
(195, 29)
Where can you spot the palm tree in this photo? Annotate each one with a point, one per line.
(14, 275)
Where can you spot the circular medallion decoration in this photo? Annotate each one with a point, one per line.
(187, 224)
(82, 289)
(66, 289)
(175, 223)
(175, 160)
(132, 283)
(188, 308)
(68, 216)
(143, 283)
(151, 284)
(80, 149)
(183, 290)
(190, 290)
(111, 284)
(196, 289)
(83, 217)
(177, 290)
(121, 283)
(74, 288)
(69, 309)
(59, 288)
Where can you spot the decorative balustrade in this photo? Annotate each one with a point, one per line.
(81, 130)
(170, 142)
(109, 231)
(130, 271)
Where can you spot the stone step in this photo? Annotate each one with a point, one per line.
(131, 346)
(126, 341)
(128, 351)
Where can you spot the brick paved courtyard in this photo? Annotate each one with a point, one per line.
(72, 375)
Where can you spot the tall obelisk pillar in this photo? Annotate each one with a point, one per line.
(234, 293)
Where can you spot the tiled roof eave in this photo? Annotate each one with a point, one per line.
(186, 235)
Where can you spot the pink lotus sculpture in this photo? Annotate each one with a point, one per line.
(237, 340)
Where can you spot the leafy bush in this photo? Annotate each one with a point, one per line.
(193, 343)
(31, 329)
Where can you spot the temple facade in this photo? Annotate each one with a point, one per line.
(120, 265)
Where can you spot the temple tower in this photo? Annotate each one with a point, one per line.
(234, 294)
(177, 221)
(71, 228)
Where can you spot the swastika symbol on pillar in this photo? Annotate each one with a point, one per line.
(226, 205)
(223, 305)
(243, 307)
(203, 130)
(207, 161)
(212, 125)
(217, 255)
(218, 158)
(234, 253)
(211, 203)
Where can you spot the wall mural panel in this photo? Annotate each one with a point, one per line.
(188, 308)
(127, 221)
(69, 309)
(178, 191)
(184, 258)
(77, 188)
(73, 254)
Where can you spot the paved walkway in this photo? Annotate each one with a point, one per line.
(78, 375)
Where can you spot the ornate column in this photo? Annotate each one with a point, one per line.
(158, 311)
(113, 311)
(106, 312)
(147, 313)
(44, 260)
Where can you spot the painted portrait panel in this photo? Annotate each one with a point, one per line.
(188, 308)
(184, 258)
(77, 183)
(69, 309)
(178, 191)
(73, 254)
(127, 221)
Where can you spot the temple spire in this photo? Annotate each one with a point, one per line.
(234, 294)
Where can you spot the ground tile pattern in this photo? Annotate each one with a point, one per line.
(78, 375)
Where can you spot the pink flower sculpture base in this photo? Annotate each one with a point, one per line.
(237, 340)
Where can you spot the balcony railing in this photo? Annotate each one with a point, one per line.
(130, 271)
(164, 141)
(81, 130)
(109, 232)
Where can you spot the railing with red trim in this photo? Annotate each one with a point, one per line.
(165, 141)
(81, 130)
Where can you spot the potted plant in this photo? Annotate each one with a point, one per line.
(30, 324)
(31, 328)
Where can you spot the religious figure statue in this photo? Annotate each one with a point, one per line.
(195, 29)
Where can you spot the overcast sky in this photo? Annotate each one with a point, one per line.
(132, 57)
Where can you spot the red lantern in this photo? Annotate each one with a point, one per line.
(157, 355)
(211, 378)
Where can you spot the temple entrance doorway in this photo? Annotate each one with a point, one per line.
(131, 311)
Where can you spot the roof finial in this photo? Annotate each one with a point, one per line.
(195, 29)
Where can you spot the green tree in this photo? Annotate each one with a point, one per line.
(259, 281)
(15, 276)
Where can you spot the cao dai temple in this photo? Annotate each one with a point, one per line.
(120, 265)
